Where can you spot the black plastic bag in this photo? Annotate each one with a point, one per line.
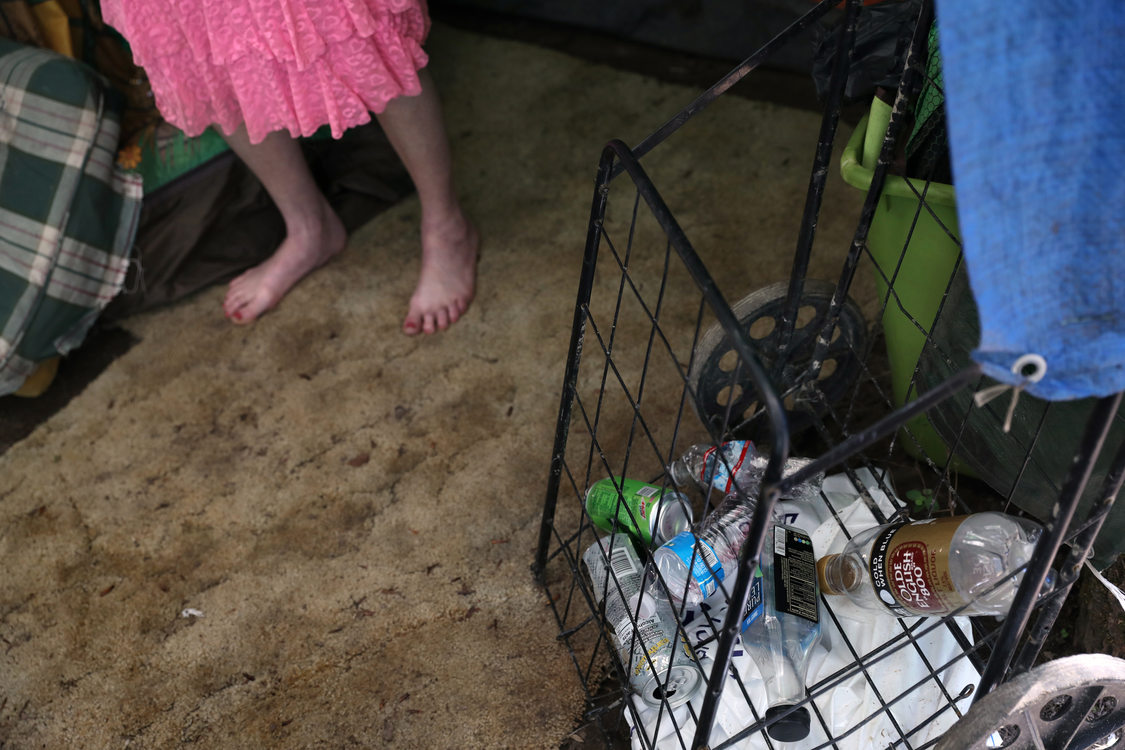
(882, 36)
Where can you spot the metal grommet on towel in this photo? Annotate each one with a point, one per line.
(1031, 368)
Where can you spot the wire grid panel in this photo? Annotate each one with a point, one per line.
(928, 318)
(660, 361)
(634, 409)
(1058, 463)
(628, 411)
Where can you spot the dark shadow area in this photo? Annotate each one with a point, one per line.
(22, 415)
(776, 85)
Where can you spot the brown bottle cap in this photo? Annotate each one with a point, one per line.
(820, 577)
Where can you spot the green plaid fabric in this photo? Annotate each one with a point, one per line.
(68, 213)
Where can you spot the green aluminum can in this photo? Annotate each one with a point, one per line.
(650, 513)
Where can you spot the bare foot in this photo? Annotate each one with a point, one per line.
(303, 250)
(448, 277)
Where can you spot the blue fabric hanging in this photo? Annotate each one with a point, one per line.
(1035, 100)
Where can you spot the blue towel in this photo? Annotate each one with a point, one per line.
(1035, 99)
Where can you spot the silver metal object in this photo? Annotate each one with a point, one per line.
(659, 662)
(1073, 703)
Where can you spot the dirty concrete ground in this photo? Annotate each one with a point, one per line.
(315, 532)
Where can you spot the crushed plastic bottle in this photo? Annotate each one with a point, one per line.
(704, 466)
(693, 565)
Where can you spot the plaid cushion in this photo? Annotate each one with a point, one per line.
(68, 213)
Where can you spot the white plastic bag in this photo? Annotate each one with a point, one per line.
(895, 695)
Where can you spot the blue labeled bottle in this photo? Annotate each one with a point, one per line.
(781, 640)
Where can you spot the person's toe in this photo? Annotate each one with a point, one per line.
(232, 303)
(235, 311)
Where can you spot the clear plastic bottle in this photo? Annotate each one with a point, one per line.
(782, 639)
(692, 565)
(704, 465)
(931, 568)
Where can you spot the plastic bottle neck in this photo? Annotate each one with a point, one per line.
(822, 575)
(837, 574)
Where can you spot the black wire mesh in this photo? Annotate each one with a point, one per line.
(660, 361)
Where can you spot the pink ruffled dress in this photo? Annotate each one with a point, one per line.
(290, 65)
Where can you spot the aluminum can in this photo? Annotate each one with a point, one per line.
(651, 648)
(650, 513)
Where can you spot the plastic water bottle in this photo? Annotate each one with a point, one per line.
(693, 565)
(782, 639)
(931, 568)
(705, 466)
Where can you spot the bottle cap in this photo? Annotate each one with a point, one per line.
(847, 574)
(821, 578)
(790, 728)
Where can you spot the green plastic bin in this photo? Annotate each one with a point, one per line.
(918, 272)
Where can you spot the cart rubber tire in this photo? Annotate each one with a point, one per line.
(1072, 703)
(758, 314)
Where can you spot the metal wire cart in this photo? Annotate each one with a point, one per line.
(884, 413)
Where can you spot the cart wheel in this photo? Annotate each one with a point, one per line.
(720, 397)
(1073, 703)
